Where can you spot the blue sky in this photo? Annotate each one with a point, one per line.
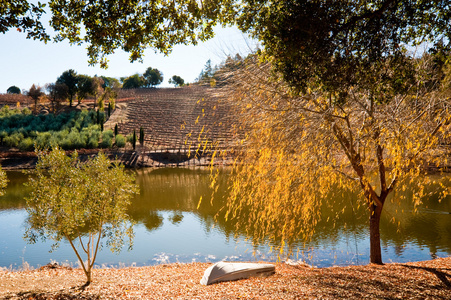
(25, 62)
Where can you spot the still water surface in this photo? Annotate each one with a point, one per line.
(170, 228)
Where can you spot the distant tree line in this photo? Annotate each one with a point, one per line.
(70, 86)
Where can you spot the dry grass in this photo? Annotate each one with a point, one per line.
(421, 280)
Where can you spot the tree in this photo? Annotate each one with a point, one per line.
(57, 92)
(80, 202)
(301, 149)
(153, 77)
(85, 87)
(343, 56)
(141, 136)
(70, 79)
(133, 82)
(13, 90)
(177, 81)
(207, 72)
(35, 93)
(98, 88)
(110, 82)
(23, 16)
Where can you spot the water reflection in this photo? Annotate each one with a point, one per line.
(171, 227)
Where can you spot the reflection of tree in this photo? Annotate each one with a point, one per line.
(152, 220)
(16, 192)
(179, 190)
(176, 218)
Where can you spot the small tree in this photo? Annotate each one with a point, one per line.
(80, 202)
(98, 88)
(86, 86)
(134, 139)
(153, 77)
(177, 81)
(13, 90)
(35, 93)
(141, 136)
(57, 93)
(133, 82)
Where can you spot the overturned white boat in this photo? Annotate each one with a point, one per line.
(226, 271)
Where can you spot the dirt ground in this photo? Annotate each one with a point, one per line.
(419, 280)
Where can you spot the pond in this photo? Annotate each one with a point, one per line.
(171, 228)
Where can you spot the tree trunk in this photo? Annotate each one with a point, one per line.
(88, 278)
(375, 237)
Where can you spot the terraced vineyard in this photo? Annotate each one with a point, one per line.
(178, 121)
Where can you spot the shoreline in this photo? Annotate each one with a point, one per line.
(424, 279)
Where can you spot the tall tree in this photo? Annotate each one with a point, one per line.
(346, 57)
(153, 77)
(207, 72)
(81, 203)
(70, 79)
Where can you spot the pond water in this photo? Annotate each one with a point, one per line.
(171, 228)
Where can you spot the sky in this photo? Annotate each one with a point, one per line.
(24, 62)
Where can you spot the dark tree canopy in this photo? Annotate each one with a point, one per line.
(13, 90)
(85, 87)
(57, 92)
(176, 80)
(70, 79)
(129, 25)
(110, 82)
(35, 92)
(153, 77)
(133, 82)
(340, 43)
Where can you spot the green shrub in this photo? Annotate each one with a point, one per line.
(14, 139)
(43, 140)
(107, 141)
(120, 140)
(26, 144)
(26, 111)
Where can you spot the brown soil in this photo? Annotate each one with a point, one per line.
(420, 280)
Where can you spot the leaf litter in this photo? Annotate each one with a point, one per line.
(418, 280)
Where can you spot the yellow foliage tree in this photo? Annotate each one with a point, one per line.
(300, 150)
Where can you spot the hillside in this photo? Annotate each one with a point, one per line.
(176, 122)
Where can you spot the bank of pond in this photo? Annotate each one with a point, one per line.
(170, 227)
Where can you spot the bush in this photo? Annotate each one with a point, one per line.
(26, 144)
(13, 140)
(26, 111)
(107, 139)
(43, 140)
(120, 141)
